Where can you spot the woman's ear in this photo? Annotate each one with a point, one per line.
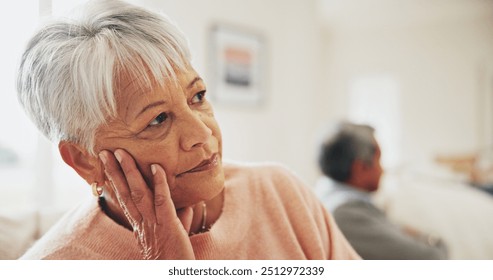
(86, 165)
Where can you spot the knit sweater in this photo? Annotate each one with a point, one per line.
(267, 214)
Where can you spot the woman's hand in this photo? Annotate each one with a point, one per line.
(161, 231)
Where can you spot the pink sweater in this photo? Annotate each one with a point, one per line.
(267, 214)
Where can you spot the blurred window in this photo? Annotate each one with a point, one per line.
(18, 20)
(32, 174)
(374, 100)
(18, 136)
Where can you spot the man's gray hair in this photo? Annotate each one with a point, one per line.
(345, 144)
(69, 71)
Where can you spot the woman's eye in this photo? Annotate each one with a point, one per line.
(199, 97)
(159, 119)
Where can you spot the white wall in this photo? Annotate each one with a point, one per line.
(280, 130)
(439, 64)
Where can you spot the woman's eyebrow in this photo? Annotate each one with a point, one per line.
(192, 83)
(149, 106)
(161, 102)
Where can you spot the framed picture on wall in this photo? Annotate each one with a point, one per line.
(237, 66)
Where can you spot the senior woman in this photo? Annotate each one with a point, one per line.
(116, 90)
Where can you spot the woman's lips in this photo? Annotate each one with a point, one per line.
(205, 165)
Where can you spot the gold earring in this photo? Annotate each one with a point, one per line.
(97, 191)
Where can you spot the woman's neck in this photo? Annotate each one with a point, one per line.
(206, 213)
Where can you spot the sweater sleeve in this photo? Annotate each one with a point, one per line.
(337, 246)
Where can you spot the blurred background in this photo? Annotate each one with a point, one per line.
(419, 71)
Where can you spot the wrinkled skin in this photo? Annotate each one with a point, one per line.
(162, 232)
(149, 155)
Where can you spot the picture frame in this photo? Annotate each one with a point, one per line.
(237, 66)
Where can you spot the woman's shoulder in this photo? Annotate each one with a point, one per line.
(265, 177)
(238, 168)
(85, 232)
(56, 243)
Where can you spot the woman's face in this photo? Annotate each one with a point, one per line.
(173, 126)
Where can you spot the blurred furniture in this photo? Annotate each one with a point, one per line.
(435, 199)
(19, 230)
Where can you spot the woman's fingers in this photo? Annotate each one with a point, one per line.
(140, 193)
(162, 233)
(119, 184)
(185, 215)
(163, 205)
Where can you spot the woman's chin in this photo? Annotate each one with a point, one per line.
(193, 191)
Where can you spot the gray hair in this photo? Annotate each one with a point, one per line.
(347, 143)
(69, 71)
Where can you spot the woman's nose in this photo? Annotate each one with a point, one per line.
(195, 132)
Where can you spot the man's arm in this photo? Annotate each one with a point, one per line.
(373, 236)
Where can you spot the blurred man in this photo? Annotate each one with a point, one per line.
(350, 160)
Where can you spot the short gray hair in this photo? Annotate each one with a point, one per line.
(346, 143)
(69, 71)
